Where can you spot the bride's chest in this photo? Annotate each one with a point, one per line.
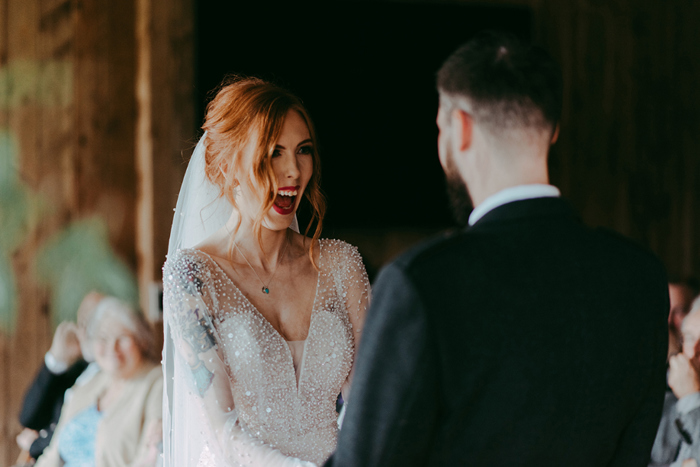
(257, 356)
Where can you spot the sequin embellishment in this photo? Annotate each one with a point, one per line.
(296, 418)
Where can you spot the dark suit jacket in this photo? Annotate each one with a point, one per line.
(525, 340)
(43, 401)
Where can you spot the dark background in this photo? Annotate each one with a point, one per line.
(366, 72)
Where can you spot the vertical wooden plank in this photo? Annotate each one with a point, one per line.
(144, 149)
(118, 171)
(70, 103)
(5, 380)
(104, 118)
(24, 66)
(173, 112)
(54, 48)
(165, 126)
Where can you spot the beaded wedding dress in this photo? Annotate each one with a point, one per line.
(242, 388)
(235, 392)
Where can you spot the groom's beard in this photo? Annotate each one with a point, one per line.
(457, 192)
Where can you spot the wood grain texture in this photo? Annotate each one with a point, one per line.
(68, 100)
(626, 155)
(165, 126)
(23, 123)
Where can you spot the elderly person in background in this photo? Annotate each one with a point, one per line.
(681, 293)
(66, 363)
(678, 439)
(111, 420)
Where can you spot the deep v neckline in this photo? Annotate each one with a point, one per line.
(279, 335)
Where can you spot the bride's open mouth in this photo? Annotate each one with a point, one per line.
(286, 199)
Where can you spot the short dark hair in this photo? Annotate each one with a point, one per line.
(507, 82)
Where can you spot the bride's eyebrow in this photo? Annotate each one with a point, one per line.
(279, 146)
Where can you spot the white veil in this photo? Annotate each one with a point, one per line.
(201, 210)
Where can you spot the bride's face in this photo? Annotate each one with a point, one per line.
(292, 164)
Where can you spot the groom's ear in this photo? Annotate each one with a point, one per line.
(464, 128)
(555, 136)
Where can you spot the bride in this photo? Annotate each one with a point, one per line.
(262, 323)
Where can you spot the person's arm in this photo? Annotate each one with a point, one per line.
(391, 419)
(40, 444)
(47, 390)
(355, 289)
(61, 367)
(668, 438)
(38, 406)
(688, 425)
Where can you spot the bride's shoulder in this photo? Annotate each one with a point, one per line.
(185, 256)
(340, 253)
(188, 264)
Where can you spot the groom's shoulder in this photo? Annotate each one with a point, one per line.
(612, 242)
(434, 252)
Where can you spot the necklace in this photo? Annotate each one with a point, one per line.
(265, 287)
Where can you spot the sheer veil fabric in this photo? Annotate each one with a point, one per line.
(191, 424)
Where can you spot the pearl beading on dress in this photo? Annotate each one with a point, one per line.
(207, 311)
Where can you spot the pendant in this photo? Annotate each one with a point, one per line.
(265, 290)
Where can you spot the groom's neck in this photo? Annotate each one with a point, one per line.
(490, 178)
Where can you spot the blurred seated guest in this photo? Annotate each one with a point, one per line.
(111, 420)
(678, 439)
(681, 293)
(65, 364)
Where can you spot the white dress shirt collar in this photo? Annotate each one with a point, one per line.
(508, 195)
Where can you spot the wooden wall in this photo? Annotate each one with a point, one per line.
(68, 102)
(627, 155)
(165, 127)
(68, 80)
(628, 152)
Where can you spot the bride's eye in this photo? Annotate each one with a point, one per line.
(276, 153)
(306, 149)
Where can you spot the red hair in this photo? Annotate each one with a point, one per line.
(244, 107)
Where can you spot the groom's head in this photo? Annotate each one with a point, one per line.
(500, 103)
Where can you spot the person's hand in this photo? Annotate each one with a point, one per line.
(689, 463)
(66, 346)
(26, 438)
(682, 376)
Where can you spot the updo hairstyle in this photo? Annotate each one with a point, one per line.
(248, 107)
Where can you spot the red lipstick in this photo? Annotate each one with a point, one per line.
(285, 205)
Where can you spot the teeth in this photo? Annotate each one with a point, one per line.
(287, 192)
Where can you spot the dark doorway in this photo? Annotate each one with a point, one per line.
(366, 72)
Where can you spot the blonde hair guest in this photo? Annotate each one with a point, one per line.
(109, 421)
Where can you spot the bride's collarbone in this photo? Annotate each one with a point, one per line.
(288, 304)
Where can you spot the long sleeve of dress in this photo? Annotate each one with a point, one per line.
(353, 285)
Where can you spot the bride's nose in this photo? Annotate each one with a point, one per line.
(291, 167)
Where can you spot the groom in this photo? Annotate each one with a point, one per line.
(526, 339)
